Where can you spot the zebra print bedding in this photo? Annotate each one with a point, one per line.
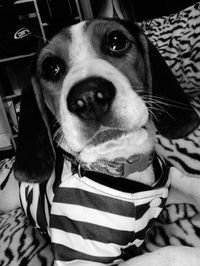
(177, 38)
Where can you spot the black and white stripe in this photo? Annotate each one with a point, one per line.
(88, 221)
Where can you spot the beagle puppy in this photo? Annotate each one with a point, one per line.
(99, 93)
(104, 83)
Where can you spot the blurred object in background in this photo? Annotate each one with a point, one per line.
(136, 10)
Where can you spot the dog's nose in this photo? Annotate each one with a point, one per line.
(91, 98)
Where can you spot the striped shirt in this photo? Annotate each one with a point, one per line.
(88, 221)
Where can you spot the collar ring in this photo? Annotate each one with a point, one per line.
(80, 171)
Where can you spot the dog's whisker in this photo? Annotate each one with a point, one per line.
(155, 104)
(58, 137)
(55, 122)
(156, 110)
(157, 107)
(62, 138)
(140, 89)
(57, 133)
(161, 110)
(153, 115)
(53, 93)
(166, 101)
(121, 65)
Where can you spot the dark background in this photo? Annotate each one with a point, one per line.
(145, 9)
(138, 9)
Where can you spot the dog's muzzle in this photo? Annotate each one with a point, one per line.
(102, 116)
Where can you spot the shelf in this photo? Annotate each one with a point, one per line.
(27, 17)
(37, 14)
(5, 142)
(28, 12)
(8, 59)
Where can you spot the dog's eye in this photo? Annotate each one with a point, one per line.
(52, 68)
(117, 42)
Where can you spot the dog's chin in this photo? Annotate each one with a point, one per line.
(111, 144)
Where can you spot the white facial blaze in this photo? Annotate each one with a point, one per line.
(128, 107)
(79, 48)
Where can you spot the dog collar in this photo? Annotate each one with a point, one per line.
(161, 171)
(120, 167)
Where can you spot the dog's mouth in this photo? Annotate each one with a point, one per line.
(112, 143)
(106, 134)
(114, 135)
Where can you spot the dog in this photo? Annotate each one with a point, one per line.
(93, 94)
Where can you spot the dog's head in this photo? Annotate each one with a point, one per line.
(104, 83)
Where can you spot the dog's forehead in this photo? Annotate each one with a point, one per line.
(92, 29)
(95, 27)
(86, 38)
(81, 41)
(79, 47)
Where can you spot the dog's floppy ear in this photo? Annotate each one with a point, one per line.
(35, 156)
(174, 116)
